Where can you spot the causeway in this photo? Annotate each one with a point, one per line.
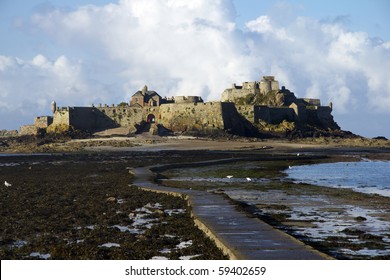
(237, 234)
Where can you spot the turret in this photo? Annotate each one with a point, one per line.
(268, 83)
(144, 90)
(53, 106)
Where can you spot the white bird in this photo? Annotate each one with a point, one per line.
(7, 184)
(248, 179)
(289, 167)
(298, 154)
(229, 176)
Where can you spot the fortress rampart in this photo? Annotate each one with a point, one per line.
(190, 113)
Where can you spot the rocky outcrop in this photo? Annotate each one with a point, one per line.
(8, 133)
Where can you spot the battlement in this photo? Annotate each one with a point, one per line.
(188, 99)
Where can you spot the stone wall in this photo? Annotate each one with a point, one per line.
(8, 133)
(247, 111)
(121, 116)
(324, 114)
(268, 83)
(300, 112)
(43, 121)
(231, 94)
(273, 115)
(85, 118)
(61, 116)
(312, 101)
(203, 117)
(188, 99)
(28, 130)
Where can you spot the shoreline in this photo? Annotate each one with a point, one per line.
(145, 142)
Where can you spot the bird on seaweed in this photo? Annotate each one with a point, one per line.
(229, 176)
(7, 184)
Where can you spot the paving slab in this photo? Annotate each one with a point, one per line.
(236, 233)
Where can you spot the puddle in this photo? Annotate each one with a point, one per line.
(317, 219)
(219, 180)
(110, 245)
(40, 256)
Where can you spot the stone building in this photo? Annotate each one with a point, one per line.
(41, 122)
(267, 103)
(264, 86)
(146, 97)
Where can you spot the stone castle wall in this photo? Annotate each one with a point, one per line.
(190, 113)
(191, 116)
(188, 99)
(28, 130)
(273, 115)
(231, 94)
(61, 116)
(120, 115)
(43, 122)
(247, 111)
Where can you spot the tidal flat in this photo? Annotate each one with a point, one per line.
(84, 206)
(340, 222)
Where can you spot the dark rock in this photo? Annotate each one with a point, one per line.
(360, 219)
(380, 138)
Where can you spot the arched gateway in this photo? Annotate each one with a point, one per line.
(151, 118)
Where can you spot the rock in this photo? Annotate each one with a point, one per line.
(3, 144)
(158, 211)
(380, 138)
(131, 171)
(111, 199)
(132, 216)
(8, 133)
(360, 219)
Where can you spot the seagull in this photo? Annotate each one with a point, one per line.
(229, 176)
(298, 154)
(7, 184)
(289, 167)
(248, 179)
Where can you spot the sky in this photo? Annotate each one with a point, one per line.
(87, 52)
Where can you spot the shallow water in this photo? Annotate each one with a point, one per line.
(346, 228)
(364, 176)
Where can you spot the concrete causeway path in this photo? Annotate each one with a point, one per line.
(238, 235)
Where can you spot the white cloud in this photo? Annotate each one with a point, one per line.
(180, 47)
(325, 60)
(28, 87)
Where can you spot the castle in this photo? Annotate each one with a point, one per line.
(239, 112)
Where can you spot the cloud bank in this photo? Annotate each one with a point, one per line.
(181, 48)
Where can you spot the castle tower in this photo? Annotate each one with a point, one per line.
(53, 106)
(144, 90)
(268, 83)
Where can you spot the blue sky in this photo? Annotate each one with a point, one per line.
(84, 52)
